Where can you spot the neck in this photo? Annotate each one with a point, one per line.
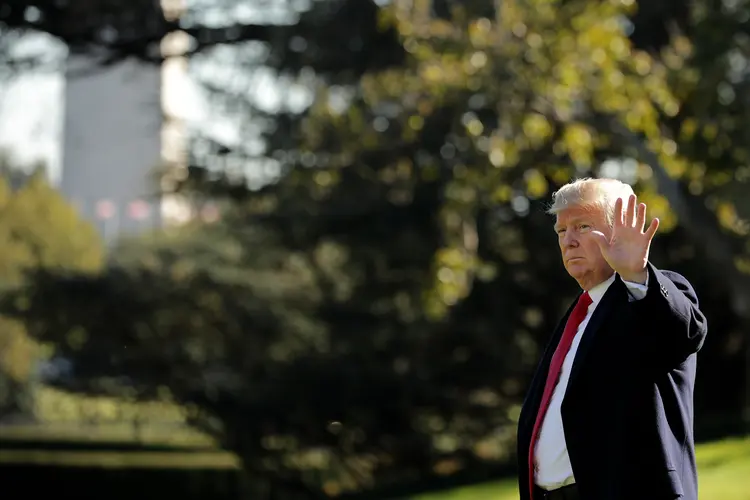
(588, 285)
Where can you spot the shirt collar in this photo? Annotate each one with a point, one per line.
(599, 290)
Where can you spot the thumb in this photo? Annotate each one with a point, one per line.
(600, 239)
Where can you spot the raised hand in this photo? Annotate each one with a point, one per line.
(627, 248)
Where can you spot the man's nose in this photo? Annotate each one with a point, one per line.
(569, 239)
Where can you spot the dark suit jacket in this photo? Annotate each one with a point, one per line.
(628, 409)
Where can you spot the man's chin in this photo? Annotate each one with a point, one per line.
(575, 266)
(576, 269)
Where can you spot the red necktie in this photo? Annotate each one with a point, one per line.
(571, 327)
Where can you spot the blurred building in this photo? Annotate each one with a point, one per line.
(123, 139)
(111, 145)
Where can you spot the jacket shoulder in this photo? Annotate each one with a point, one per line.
(676, 279)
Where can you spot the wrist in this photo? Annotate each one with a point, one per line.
(638, 277)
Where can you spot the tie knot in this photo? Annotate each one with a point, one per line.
(584, 300)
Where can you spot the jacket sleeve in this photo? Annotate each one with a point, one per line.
(669, 319)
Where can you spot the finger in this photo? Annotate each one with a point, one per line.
(630, 214)
(618, 213)
(640, 221)
(651, 231)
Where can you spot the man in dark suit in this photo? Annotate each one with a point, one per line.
(609, 413)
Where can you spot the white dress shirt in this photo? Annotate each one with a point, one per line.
(552, 467)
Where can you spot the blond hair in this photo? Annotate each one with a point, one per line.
(587, 192)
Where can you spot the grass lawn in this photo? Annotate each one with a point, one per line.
(723, 466)
(63, 416)
(723, 473)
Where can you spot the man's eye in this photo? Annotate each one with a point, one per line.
(584, 226)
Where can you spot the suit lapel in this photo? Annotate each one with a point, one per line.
(610, 298)
(534, 395)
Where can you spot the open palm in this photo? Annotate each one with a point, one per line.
(626, 251)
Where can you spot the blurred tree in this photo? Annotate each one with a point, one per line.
(117, 30)
(370, 319)
(37, 229)
(304, 347)
(109, 32)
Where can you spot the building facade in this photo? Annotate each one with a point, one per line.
(123, 141)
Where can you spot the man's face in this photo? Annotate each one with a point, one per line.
(580, 253)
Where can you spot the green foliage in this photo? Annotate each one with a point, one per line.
(306, 351)
(38, 228)
(501, 109)
(373, 318)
